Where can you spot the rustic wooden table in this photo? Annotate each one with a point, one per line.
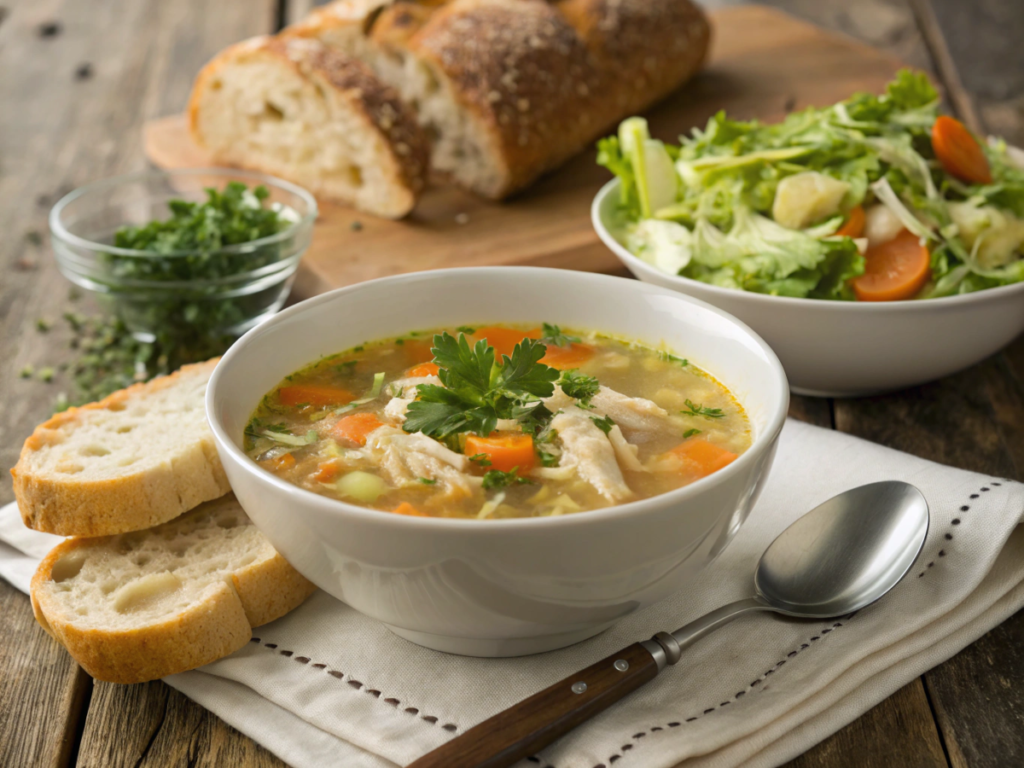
(81, 76)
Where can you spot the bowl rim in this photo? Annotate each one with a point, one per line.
(604, 232)
(60, 232)
(762, 443)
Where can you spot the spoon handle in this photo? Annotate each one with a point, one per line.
(533, 723)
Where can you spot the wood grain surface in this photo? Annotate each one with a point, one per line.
(763, 63)
(74, 113)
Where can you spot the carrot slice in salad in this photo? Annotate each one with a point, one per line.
(854, 224)
(355, 428)
(314, 394)
(894, 270)
(405, 508)
(423, 370)
(959, 152)
(701, 458)
(506, 451)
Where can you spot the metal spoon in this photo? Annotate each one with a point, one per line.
(838, 558)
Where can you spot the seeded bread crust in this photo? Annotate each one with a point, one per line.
(404, 161)
(56, 495)
(216, 624)
(528, 83)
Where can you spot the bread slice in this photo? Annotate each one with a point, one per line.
(144, 605)
(300, 110)
(137, 458)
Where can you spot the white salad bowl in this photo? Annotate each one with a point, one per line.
(514, 586)
(847, 348)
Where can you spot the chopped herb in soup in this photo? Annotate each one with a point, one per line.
(497, 422)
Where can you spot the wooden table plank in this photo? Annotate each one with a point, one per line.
(151, 724)
(87, 75)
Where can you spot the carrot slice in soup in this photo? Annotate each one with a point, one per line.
(423, 370)
(327, 471)
(314, 394)
(854, 224)
(505, 451)
(355, 428)
(405, 508)
(280, 463)
(564, 358)
(959, 152)
(894, 270)
(701, 458)
(503, 340)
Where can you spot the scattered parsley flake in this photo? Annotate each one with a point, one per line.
(482, 459)
(579, 387)
(426, 481)
(690, 433)
(700, 410)
(495, 478)
(466, 330)
(605, 424)
(43, 325)
(552, 334)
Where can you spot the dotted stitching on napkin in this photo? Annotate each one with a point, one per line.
(357, 684)
(956, 521)
(755, 685)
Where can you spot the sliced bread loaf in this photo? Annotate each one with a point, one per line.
(301, 110)
(143, 605)
(510, 89)
(138, 458)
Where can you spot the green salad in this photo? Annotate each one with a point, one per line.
(875, 198)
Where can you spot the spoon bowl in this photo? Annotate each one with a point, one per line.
(845, 553)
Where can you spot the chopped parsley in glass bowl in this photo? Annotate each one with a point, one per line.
(186, 260)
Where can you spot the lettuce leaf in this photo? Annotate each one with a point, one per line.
(878, 144)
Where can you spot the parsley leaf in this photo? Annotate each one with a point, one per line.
(690, 433)
(605, 424)
(426, 481)
(478, 390)
(495, 478)
(481, 459)
(668, 357)
(579, 387)
(700, 410)
(552, 334)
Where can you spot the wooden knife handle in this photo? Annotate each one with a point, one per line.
(533, 723)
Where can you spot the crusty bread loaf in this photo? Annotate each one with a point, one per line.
(298, 109)
(137, 458)
(510, 89)
(148, 604)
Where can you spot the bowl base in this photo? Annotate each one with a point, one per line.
(494, 648)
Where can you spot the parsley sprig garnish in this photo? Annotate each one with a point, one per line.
(700, 410)
(478, 390)
(552, 334)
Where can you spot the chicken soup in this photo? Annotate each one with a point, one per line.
(497, 422)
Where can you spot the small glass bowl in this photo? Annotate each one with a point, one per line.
(158, 295)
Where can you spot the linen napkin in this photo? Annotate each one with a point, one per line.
(327, 686)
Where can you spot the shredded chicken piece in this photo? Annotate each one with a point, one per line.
(397, 406)
(627, 453)
(634, 415)
(587, 450)
(404, 458)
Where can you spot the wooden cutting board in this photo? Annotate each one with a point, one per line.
(763, 63)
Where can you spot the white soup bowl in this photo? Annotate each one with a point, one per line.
(499, 587)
